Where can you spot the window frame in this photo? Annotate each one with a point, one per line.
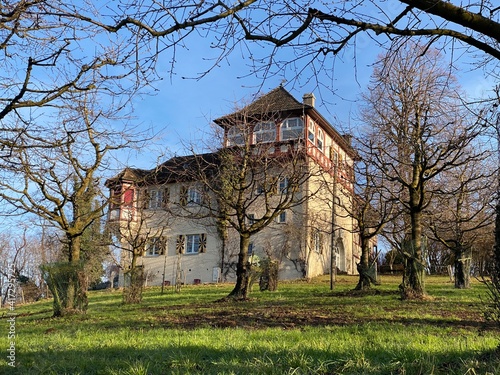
(281, 219)
(311, 132)
(296, 131)
(317, 241)
(233, 136)
(320, 139)
(194, 196)
(283, 184)
(192, 246)
(155, 198)
(264, 133)
(155, 246)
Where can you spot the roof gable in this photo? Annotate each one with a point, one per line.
(276, 101)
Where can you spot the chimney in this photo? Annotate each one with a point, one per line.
(348, 138)
(309, 99)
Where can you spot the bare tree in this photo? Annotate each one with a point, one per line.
(54, 175)
(413, 104)
(461, 208)
(53, 49)
(315, 35)
(372, 209)
(250, 189)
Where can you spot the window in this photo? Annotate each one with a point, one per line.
(194, 196)
(250, 248)
(155, 198)
(193, 243)
(196, 243)
(155, 246)
(282, 217)
(235, 136)
(311, 131)
(321, 139)
(265, 132)
(283, 185)
(189, 196)
(292, 128)
(317, 241)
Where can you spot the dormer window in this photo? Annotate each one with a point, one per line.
(235, 136)
(292, 128)
(265, 132)
(320, 140)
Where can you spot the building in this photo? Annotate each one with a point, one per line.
(167, 213)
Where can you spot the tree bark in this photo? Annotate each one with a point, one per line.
(241, 288)
(462, 268)
(412, 286)
(76, 300)
(363, 267)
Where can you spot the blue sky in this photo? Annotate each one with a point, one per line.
(183, 109)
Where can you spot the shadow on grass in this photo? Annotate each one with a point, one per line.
(198, 359)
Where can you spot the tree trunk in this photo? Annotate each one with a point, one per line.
(366, 278)
(241, 289)
(132, 291)
(414, 273)
(413, 286)
(462, 268)
(69, 283)
(496, 268)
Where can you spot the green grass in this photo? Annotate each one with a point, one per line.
(303, 328)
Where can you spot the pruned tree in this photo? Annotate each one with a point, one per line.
(462, 207)
(54, 175)
(253, 189)
(414, 106)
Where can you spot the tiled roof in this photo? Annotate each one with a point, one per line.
(277, 100)
(181, 168)
(178, 168)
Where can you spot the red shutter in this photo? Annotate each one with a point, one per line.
(128, 197)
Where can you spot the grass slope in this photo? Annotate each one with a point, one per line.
(303, 328)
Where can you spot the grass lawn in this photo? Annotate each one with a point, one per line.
(303, 328)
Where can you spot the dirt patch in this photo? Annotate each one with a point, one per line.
(250, 316)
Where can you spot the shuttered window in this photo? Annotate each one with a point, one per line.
(179, 245)
(156, 246)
